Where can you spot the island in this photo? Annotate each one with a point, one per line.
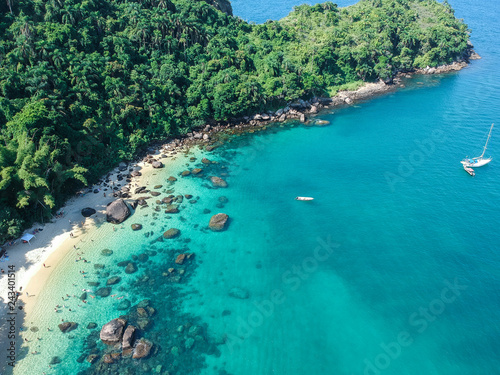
(85, 85)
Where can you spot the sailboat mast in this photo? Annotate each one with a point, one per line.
(489, 134)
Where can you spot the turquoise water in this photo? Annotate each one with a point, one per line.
(392, 269)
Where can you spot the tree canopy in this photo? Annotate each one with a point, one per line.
(86, 83)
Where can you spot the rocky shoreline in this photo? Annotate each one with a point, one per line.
(300, 110)
(211, 136)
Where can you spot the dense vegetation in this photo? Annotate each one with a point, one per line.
(85, 83)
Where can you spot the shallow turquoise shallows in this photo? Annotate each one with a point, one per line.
(393, 269)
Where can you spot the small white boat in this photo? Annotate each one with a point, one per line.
(479, 161)
(304, 198)
(469, 171)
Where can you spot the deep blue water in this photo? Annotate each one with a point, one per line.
(392, 269)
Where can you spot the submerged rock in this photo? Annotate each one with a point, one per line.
(92, 358)
(123, 305)
(218, 222)
(172, 209)
(196, 171)
(113, 280)
(189, 343)
(117, 211)
(218, 182)
(171, 233)
(142, 349)
(112, 332)
(167, 200)
(180, 258)
(103, 292)
(322, 122)
(107, 252)
(239, 293)
(67, 326)
(136, 226)
(55, 360)
(131, 268)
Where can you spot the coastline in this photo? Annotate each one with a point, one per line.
(55, 237)
(305, 110)
(36, 261)
(53, 243)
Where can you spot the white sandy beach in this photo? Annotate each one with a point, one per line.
(34, 262)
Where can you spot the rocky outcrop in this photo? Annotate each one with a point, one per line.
(218, 222)
(122, 166)
(135, 174)
(157, 164)
(88, 211)
(222, 5)
(112, 332)
(128, 338)
(117, 211)
(455, 66)
(142, 349)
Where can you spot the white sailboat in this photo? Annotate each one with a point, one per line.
(480, 160)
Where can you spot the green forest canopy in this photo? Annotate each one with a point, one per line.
(86, 83)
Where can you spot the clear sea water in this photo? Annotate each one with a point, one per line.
(392, 269)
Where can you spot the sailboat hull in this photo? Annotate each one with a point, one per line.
(475, 162)
(478, 161)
